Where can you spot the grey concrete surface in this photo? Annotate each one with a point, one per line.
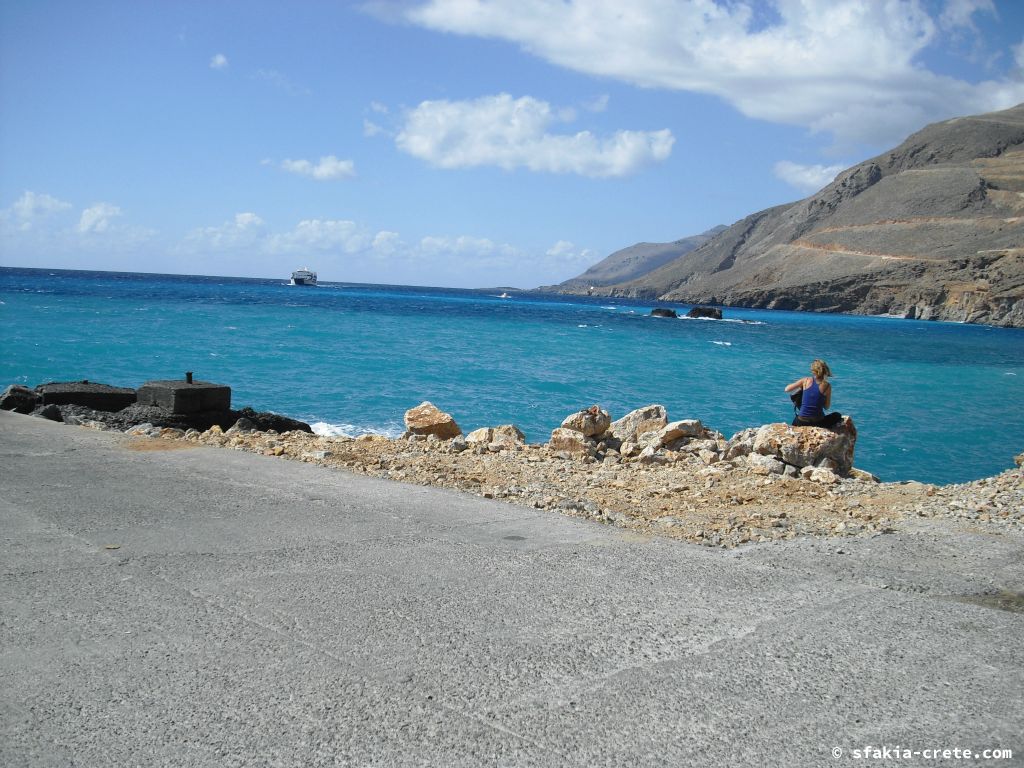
(263, 612)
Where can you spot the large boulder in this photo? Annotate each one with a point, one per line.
(49, 412)
(428, 419)
(741, 444)
(19, 399)
(642, 421)
(591, 422)
(99, 397)
(571, 441)
(664, 312)
(506, 436)
(264, 421)
(809, 446)
(688, 428)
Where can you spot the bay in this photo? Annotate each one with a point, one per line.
(936, 402)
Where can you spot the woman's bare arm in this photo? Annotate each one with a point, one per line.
(798, 384)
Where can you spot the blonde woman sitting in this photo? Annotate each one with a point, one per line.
(816, 396)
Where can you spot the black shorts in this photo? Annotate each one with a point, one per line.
(827, 421)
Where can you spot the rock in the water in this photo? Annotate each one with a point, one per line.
(428, 419)
(590, 422)
(663, 312)
(807, 446)
(712, 312)
(264, 421)
(99, 397)
(18, 399)
(630, 427)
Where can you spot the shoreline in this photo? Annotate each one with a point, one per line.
(719, 504)
(677, 479)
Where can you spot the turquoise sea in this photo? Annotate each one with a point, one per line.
(936, 402)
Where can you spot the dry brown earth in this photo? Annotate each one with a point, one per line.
(724, 504)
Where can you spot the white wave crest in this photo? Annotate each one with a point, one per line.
(326, 429)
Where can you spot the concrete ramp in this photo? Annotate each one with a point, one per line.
(206, 607)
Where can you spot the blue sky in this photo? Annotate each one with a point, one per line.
(454, 142)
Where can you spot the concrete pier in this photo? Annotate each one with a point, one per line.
(169, 605)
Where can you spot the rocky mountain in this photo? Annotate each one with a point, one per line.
(933, 229)
(635, 261)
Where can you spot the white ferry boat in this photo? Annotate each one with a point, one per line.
(303, 277)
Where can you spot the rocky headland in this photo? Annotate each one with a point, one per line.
(643, 471)
(931, 230)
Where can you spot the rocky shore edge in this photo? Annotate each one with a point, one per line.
(642, 472)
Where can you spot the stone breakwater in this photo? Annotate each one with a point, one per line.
(644, 473)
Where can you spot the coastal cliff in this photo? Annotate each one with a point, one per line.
(933, 229)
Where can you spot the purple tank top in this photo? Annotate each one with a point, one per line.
(813, 404)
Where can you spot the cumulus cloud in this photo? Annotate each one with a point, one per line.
(219, 61)
(808, 178)
(329, 168)
(321, 235)
(242, 231)
(97, 218)
(515, 133)
(31, 207)
(40, 227)
(851, 68)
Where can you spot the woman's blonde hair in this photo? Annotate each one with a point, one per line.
(820, 369)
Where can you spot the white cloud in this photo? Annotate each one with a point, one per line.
(565, 252)
(40, 228)
(321, 236)
(848, 67)
(31, 207)
(219, 61)
(342, 249)
(513, 133)
(370, 128)
(97, 218)
(808, 178)
(958, 14)
(243, 231)
(329, 168)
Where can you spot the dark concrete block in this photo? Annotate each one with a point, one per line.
(182, 397)
(99, 397)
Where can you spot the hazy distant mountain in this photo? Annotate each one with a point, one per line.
(635, 261)
(932, 229)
